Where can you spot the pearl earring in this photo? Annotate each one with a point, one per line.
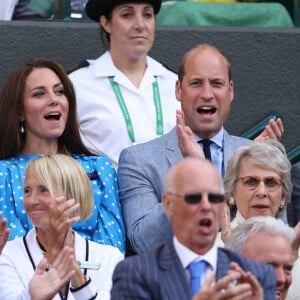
(231, 201)
(282, 205)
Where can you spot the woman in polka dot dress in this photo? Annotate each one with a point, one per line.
(38, 116)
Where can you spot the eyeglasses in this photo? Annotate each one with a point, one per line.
(194, 198)
(251, 182)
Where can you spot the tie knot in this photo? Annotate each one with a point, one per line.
(196, 268)
(205, 142)
(206, 148)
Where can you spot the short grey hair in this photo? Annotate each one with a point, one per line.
(270, 155)
(238, 237)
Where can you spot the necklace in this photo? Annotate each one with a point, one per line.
(126, 115)
(41, 246)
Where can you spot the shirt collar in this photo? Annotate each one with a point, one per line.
(186, 255)
(105, 67)
(217, 139)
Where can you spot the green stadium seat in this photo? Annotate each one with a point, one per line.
(294, 154)
(224, 14)
(254, 131)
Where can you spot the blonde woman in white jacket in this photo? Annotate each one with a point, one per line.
(57, 193)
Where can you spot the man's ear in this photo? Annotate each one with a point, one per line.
(178, 90)
(232, 90)
(167, 203)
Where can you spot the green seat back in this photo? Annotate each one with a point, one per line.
(224, 14)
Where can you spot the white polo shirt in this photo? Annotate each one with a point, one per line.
(102, 125)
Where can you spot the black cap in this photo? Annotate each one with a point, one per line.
(95, 8)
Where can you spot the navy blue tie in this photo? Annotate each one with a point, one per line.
(206, 148)
(196, 269)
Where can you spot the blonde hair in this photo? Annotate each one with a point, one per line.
(64, 176)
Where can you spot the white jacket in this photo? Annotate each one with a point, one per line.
(16, 268)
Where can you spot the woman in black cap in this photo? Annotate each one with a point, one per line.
(124, 97)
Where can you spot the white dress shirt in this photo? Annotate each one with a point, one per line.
(186, 256)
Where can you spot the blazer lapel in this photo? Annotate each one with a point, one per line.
(231, 143)
(223, 265)
(173, 153)
(228, 148)
(173, 278)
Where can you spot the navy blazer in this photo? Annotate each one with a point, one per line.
(295, 172)
(141, 173)
(158, 275)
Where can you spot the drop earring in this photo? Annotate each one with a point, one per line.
(22, 130)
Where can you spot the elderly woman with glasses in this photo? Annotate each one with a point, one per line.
(257, 182)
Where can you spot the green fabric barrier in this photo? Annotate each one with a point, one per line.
(255, 130)
(224, 14)
(42, 7)
(297, 12)
(294, 154)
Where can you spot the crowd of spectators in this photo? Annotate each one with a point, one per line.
(115, 186)
(75, 9)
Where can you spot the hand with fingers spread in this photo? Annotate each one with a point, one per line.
(4, 232)
(186, 141)
(45, 284)
(208, 291)
(236, 285)
(273, 130)
(57, 194)
(215, 291)
(249, 278)
(62, 215)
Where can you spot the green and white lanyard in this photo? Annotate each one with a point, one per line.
(122, 104)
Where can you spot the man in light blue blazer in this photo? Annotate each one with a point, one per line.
(205, 90)
(193, 200)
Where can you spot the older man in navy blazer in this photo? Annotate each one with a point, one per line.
(194, 201)
(205, 90)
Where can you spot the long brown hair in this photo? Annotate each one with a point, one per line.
(12, 141)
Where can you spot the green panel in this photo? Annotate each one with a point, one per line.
(254, 131)
(224, 14)
(297, 12)
(294, 154)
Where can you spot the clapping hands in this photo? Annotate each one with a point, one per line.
(4, 232)
(186, 141)
(236, 285)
